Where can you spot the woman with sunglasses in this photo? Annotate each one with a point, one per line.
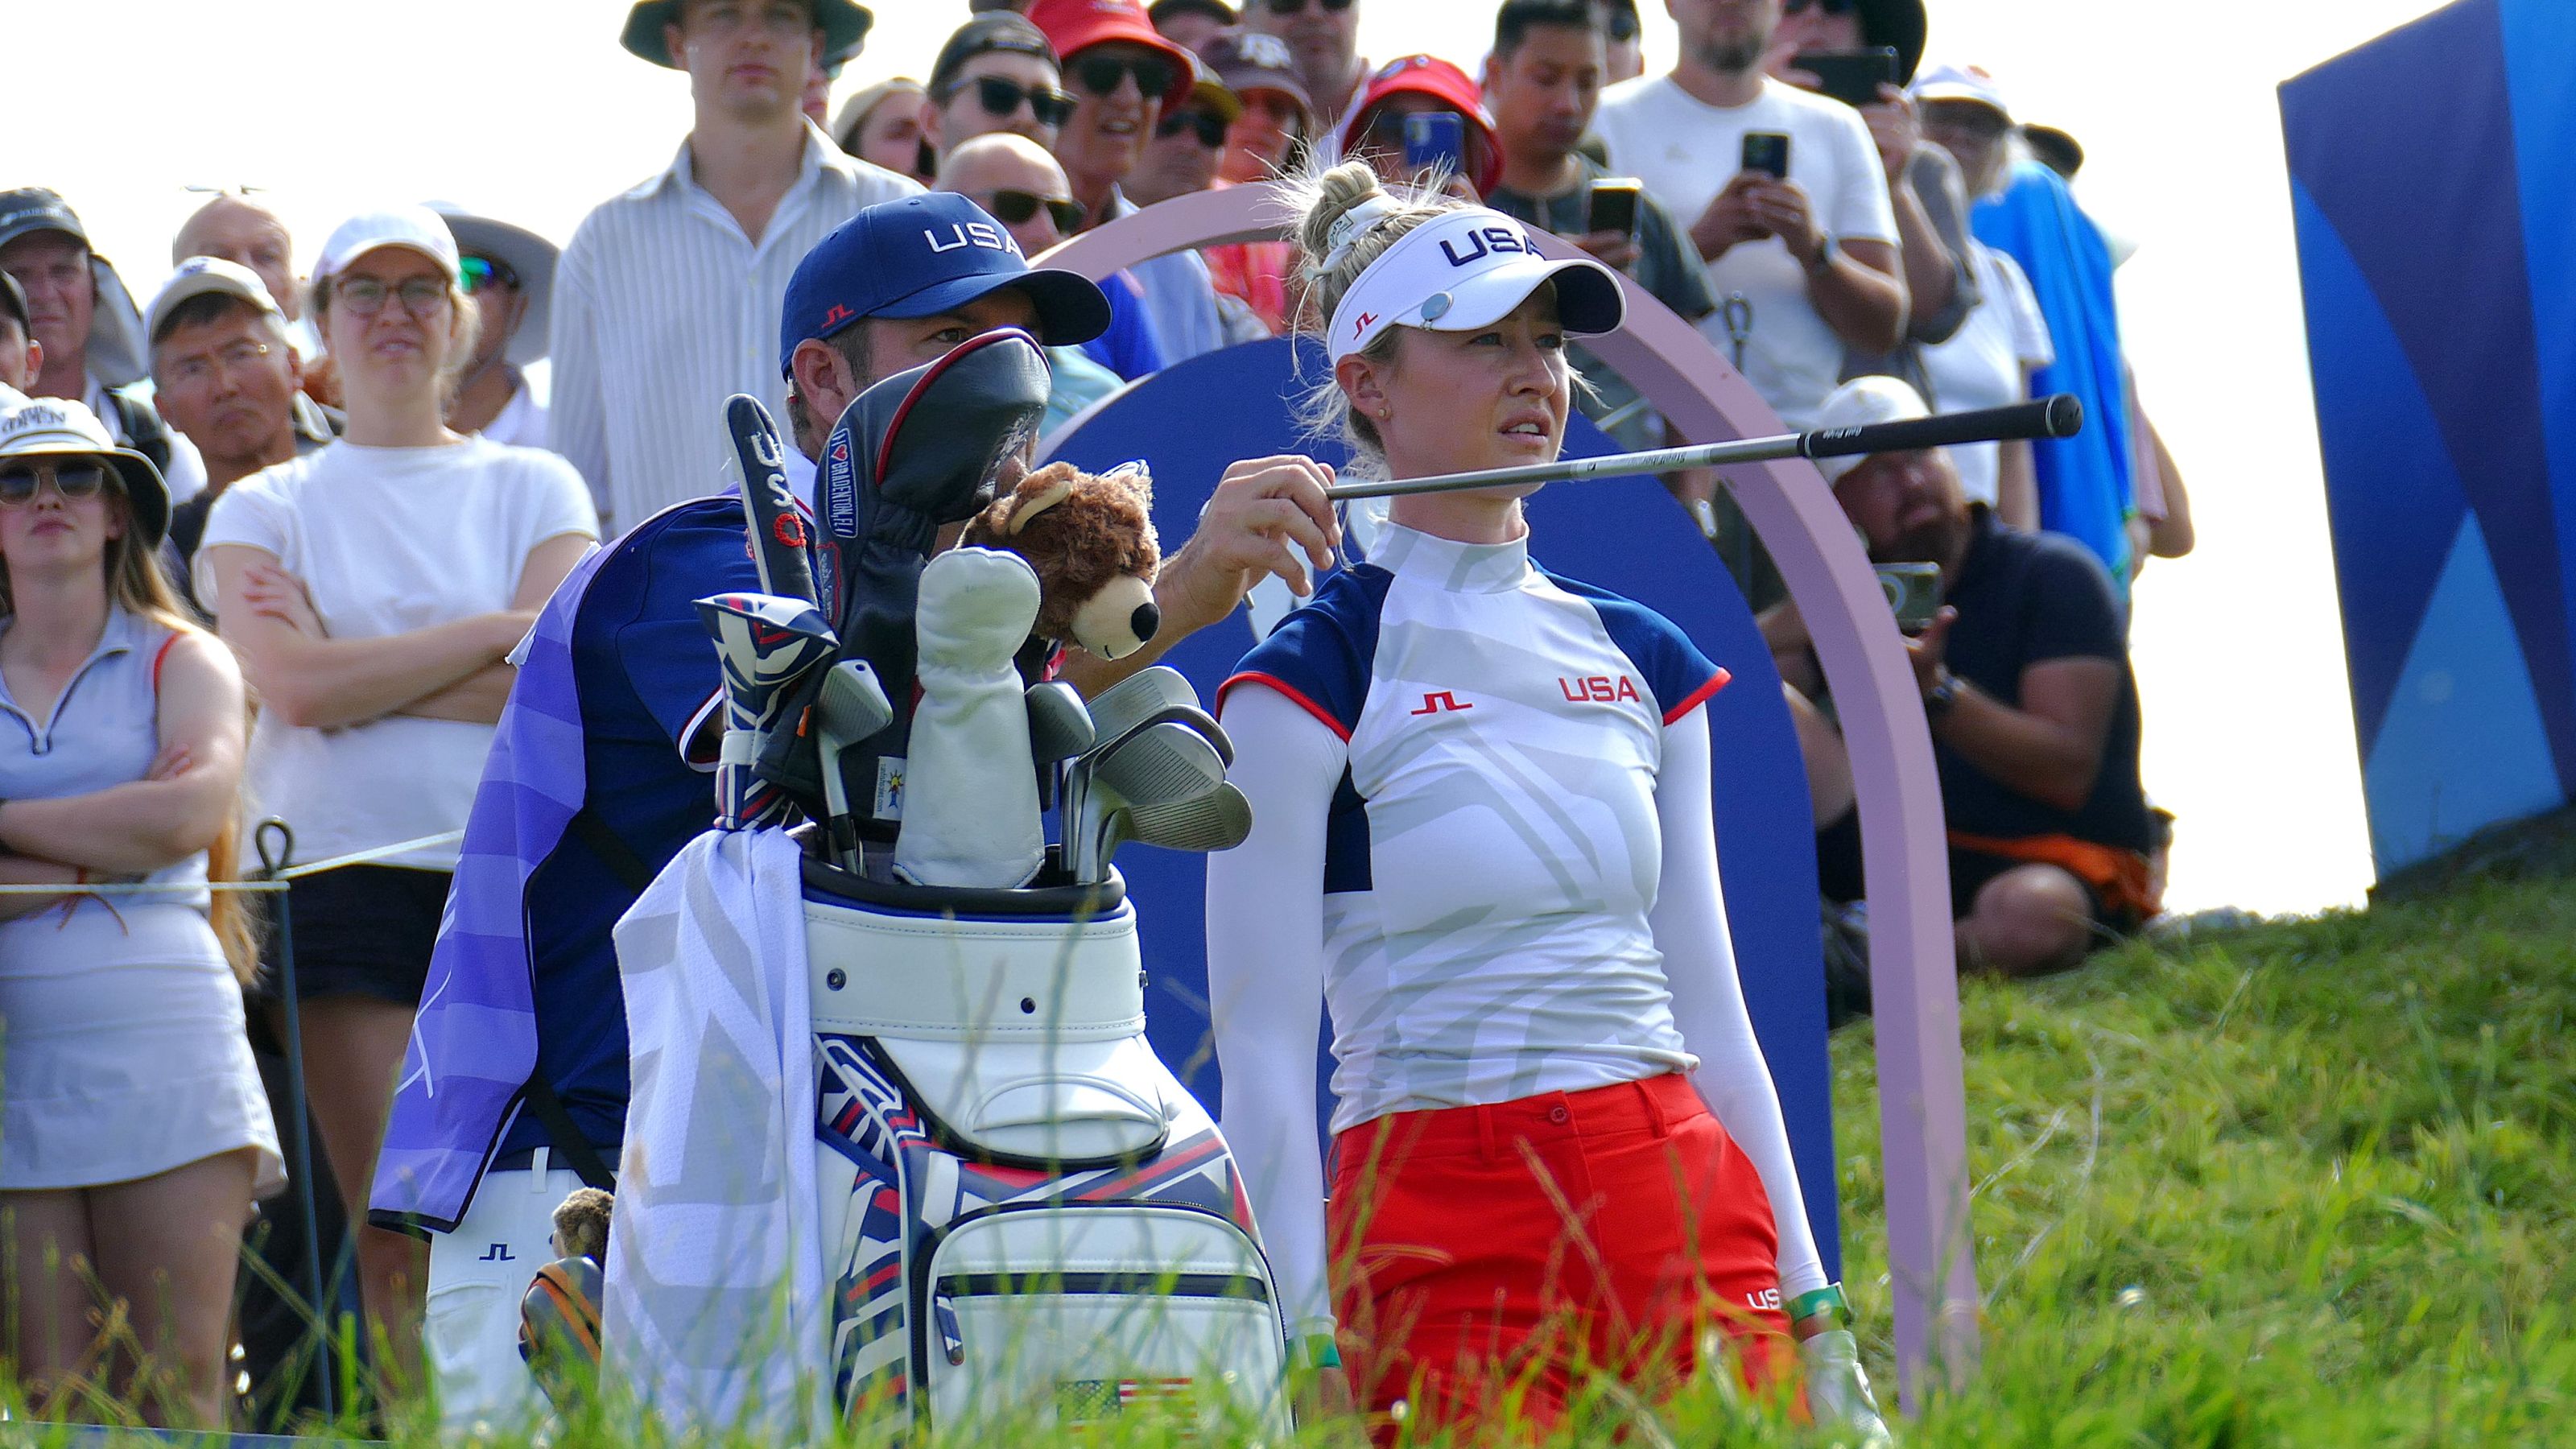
(1483, 835)
(374, 591)
(510, 274)
(134, 1134)
(1124, 77)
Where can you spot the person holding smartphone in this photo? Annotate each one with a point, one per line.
(1543, 82)
(1813, 251)
(1863, 55)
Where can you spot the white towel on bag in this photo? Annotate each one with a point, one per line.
(715, 1306)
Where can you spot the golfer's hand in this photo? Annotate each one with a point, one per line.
(1838, 1395)
(1269, 517)
(1613, 249)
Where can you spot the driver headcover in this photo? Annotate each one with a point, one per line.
(914, 453)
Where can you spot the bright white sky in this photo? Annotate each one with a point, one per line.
(529, 111)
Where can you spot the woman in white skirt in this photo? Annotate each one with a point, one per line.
(133, 1132)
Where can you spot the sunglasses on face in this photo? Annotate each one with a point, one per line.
(85, 478)
(482, 272)
(1209, 125)
(1294, 7)
(1011, 208)
(1830, 7)
(1002, 99)
(365, 296)
(1099, 73)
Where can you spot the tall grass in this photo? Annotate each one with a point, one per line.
(2301, 1184)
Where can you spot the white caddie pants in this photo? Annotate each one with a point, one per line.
(477, 1275)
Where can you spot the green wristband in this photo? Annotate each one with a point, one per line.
(1320, 1351)
(1827, 1300)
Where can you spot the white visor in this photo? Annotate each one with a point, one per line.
(1468, 269)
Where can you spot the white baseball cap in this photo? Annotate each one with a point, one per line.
(1961, 83)
(415, 227)
(52, 426)
(1463, 270)
(204, 276)
(1860, 402)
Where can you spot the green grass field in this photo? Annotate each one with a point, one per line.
(2306, 1183)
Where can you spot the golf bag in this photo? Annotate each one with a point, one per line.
(1027, 1219)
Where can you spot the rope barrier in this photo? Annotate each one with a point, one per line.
(136, 888)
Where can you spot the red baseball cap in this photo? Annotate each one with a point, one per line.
(1429, 75)
(1073, 26)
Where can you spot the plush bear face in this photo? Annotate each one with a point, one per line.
(1091, 539)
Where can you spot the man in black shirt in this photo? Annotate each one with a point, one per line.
(2034, 713)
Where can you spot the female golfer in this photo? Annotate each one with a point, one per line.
(1482, 833)
(374, 591)
(133, 1131)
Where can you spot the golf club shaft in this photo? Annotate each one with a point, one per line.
(2061, 416)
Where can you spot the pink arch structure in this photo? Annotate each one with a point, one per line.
(1913, 972)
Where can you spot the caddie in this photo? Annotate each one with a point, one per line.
(514, 1091)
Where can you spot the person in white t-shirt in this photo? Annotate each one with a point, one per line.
(1804, 266)
(374, 591)
(1988, 363)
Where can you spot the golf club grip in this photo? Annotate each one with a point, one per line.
(2061, 416)
(779, 535)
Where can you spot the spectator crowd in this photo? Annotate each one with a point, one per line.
(332, 504)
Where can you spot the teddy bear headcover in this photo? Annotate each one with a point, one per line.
(1091, 539)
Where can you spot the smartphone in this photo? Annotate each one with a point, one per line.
(1913, 593)
(1767, 151)
(1435, 139)
(1613, 206)
(1850, 76)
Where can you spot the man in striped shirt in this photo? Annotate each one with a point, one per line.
(668, 299)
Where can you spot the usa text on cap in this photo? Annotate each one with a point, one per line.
(1467, 269)
(919, 256)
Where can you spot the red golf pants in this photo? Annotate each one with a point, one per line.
(1484, 1249)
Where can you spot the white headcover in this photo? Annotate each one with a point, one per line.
(1467, 269)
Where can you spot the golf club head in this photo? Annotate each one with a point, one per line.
(1129, 702)
(1085, 827)
(1162, 762)
(853, 705)
(1059, 723)
(1188, 715)
(1220, 821)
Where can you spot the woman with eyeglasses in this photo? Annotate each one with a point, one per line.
(510, 274)
(374, 591)
(134, 1134)
(1482, 833)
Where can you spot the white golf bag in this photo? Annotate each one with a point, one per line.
(1027, 1221)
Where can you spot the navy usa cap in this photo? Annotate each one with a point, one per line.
(918, 257)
